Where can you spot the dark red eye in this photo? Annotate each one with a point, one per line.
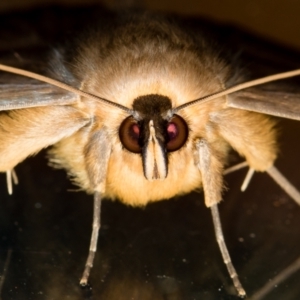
(129, 134)
(177, 131)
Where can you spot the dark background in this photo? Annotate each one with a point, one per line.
(168, 249)
(276, 19)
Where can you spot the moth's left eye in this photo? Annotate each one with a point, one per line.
(129, 134)
(177, 132)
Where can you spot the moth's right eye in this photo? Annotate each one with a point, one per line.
(129, 134)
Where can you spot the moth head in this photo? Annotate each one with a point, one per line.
(153, 131)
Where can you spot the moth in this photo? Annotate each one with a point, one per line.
(142, 109)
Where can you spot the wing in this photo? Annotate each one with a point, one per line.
(18, 92)
(34, 114)
(280, 101)
(261, 58)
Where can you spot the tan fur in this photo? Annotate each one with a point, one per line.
(218, 125)
(25, 132)
(129, 66)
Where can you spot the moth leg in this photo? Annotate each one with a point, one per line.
(11, 177)
(211, 171)
(247, 179)
(94, 239)
(274, 173)
(224, 251)
(239, 166)
(14, 177)
(235, 167)
(97, 154)
(284, 183)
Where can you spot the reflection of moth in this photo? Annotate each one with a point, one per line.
(148, 141)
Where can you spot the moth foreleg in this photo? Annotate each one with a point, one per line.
(97, 153)
(211, 171)
(94, 239)
(224, 251)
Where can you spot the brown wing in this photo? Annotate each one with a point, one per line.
(261, 58)
(280, 101)
(18, 92)
(33, 114)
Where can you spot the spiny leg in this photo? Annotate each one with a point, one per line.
(94, 239)
(211, 171)
(224, 251)
(97, 154)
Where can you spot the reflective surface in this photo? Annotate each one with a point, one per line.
(165, 251)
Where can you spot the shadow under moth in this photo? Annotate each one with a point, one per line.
(142, 109)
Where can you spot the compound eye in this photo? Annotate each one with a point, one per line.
(177, 131)
(129, 134)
